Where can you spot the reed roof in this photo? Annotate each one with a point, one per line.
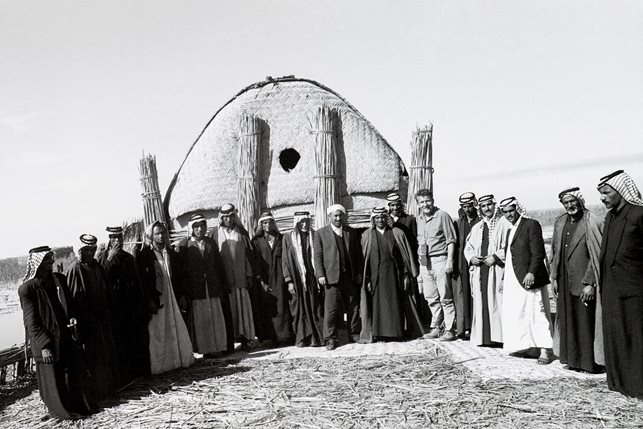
(208, 176)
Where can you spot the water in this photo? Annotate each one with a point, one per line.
(12, 330)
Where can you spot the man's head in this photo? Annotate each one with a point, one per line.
(380, 217)
(395, 205)
(622, 184)
(573, 202)
(487, 205)
(159, 233)
(267, 224)
(511, 209)
(40, 262)
(88, 247)
(337, 215)
(115, 236)
(302, 221)
(468, 204)
(424, 199)
(228, 216)
(198, 226)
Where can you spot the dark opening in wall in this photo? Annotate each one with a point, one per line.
(288, 158)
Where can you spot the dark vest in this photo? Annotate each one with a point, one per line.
(344, 261)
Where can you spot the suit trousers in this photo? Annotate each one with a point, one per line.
(438, 292)
(340, 298)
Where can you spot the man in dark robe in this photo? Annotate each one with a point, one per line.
(203, 285)
(126, 308)
(91, 298)
(388, 270)
(621, 283)
(461, 284)
(48, 315)
(338, 268)
(299, 274)
(408, 224)
(578, 336)
(268, 243)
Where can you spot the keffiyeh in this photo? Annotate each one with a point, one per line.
(624, 185)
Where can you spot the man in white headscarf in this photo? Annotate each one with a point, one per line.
(578, 336)
(299, 274)
(525, 300)
(485, 252)
(48, 314)
(621, 283)
(338, 269)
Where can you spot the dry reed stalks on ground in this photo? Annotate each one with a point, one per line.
(387, 391)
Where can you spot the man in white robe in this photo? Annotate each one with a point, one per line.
(485, 252)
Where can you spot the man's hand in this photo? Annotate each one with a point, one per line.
(47, 356)
(529, 280)
(265, 286)
(554, 287)
(477, 260)
(112, 253)
(449, 266)
(490, 261)
(588, 293)
(407, 283)
(291, 288)
(322, 281)
(369, 287)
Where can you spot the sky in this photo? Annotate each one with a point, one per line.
(526, 98)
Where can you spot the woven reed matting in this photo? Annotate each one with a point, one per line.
(208, 176)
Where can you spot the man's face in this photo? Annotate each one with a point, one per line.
(116, 242)
(571, 204)
(158, 235)
(337, 218)
(303, 225)
(228, 220)
(468, 209)
(265, 225)
(488, 208)
(380, 221)
(425, 204)
(511, 214)
(199, 229)
(47, 264)
(395, 208)
(610, 197)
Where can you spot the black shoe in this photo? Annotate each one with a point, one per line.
(331, 344)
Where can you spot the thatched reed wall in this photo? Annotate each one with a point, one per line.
(367, 168)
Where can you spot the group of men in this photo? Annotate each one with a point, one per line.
(114, 317)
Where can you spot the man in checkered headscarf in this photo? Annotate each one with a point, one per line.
(621, 283)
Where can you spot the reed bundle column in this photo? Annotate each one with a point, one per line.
(249, 156)
(323, 123)
(152, 203)
(421, 170)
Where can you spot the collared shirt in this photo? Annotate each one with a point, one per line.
(337, 231)
(436, 232)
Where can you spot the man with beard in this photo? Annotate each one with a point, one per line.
(389, 267)
(237, 255)
(161, 273)
(126, 307)
(461, 286)
(436, 250)
(621, 282)
(273, 293)
(485, 251)
(48, 315)
(574, 275)
(299, 275)
(402, 220)
(91, 298)
(525, 301)
(203, 286)
(338, 270)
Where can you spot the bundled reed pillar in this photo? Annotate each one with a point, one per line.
(421, 170)
(323, 124)
(152, 203)
(249, 156)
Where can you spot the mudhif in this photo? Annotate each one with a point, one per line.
(50, 324)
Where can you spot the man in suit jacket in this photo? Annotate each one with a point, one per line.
(337, 258)
(621, 283)
(203, 286)
(525, 307)
(574, 274)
